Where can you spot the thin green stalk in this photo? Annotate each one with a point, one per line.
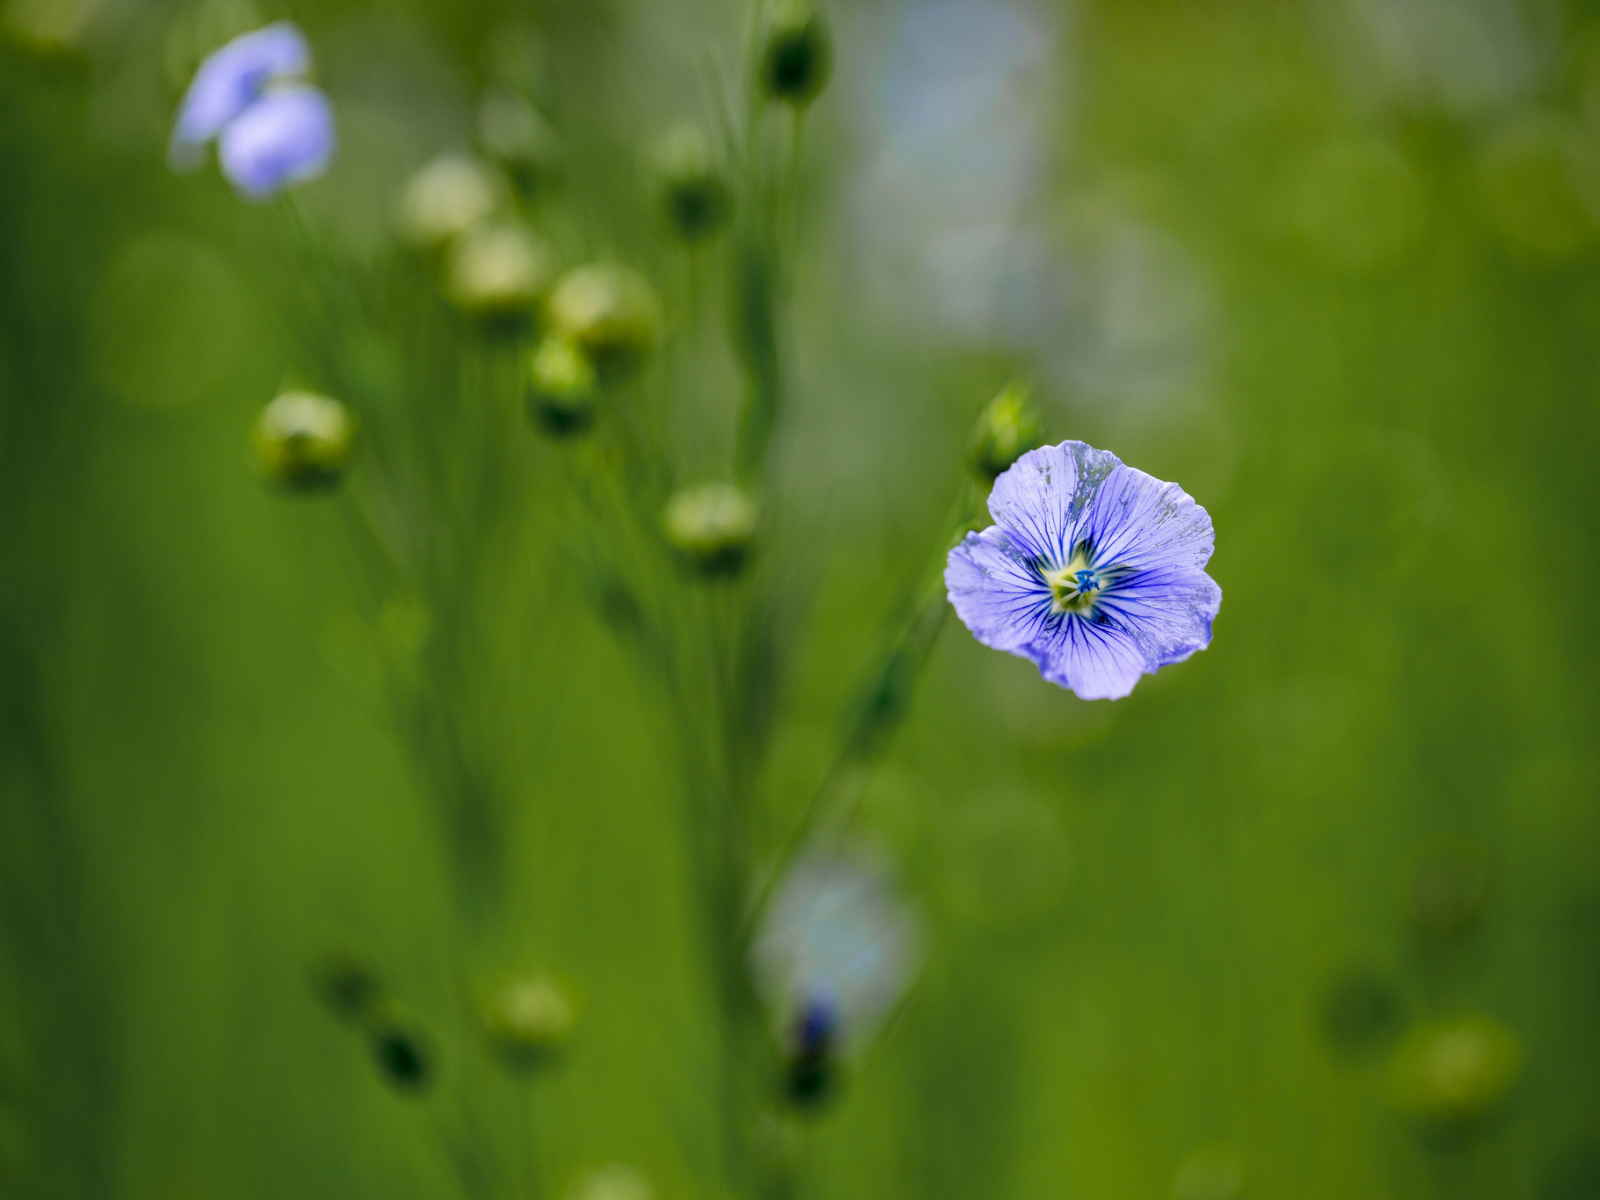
(880, 707)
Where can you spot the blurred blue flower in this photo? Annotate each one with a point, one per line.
(835, 951)
(818, 1025)
(1093, 570)
(286, 137)
(272, 130)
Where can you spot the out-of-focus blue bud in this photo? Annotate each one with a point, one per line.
(230, 81)
(798, 55)
(835, 950)
(284, 138)
(812, 1067)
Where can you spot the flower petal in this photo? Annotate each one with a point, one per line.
(1041, 499)
(1167, 613)
(230, 80)
(286, 137)
(1136, 521)
(1098, 661)
(995, 591)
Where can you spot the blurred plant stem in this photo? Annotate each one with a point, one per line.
(58, 1009)
(434, 508)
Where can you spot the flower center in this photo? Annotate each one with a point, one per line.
(1073, 587)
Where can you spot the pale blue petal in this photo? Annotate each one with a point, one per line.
(284, 138)
(230, 80)
(996, 592)
(1042, 497)
(1167, 611)
(1136, 521)
(1098, 661)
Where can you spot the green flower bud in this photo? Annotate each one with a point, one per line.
(303, 441)
(1454, 1072)
(446, 198)
(610, 314)
(498, 272)
(513, 132)
(798, 56)
(561, 388)
(694, 189)
(528, 1022)
(1006, 431)
(711, 525)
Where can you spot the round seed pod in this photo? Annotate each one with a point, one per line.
(446, 198)
(694, 189)
(1006, 431)
(1452, 1073)
(303, 441)
(711, 526)
(528, 1022)
(561, 388)
(608, 313)
(797, 57)
(498, 272)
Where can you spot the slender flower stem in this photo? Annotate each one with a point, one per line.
(880, 707)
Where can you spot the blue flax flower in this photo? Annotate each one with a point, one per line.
(286, 137)
(835, 951)
(272, 129)
(1093, 570)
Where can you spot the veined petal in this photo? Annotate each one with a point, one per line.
(230, 80)
(286, 137)
(1098, 661)
(1042, 498)
(995, 591)
(1167, 612)
(1135, 521)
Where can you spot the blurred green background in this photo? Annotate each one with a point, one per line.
(1333, 265)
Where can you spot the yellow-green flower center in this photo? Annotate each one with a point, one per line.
(1073, 587)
